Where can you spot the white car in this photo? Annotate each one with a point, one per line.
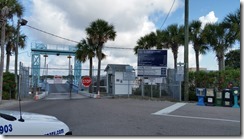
(11, 123)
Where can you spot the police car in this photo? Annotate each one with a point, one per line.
(14, 123)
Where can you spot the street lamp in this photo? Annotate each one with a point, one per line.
(21, 22)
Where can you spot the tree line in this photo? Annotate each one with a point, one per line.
(218, 37)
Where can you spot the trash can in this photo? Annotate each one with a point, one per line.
(201, 93)
(236, 93)
(218, 97)
(227, 97)
(210, 97)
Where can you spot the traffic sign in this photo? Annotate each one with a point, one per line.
(153, 58)
(86, 81)
(148, 71)
(130, 76)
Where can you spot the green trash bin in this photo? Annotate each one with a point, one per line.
(218, 97)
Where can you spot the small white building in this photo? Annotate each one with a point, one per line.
(120, 79)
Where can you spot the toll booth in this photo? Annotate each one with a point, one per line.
(119, 79)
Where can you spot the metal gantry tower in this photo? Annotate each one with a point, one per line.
(38, 49)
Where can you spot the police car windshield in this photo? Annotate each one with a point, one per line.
(7, 117)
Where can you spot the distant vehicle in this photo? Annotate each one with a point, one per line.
(11, 123)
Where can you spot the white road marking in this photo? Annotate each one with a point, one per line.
(169, 109)
(201, 118)
(166, 111)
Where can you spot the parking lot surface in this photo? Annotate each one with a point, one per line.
(137, 117)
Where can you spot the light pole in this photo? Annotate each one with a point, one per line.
(186, 61)
(21, 22)
(70, 77)
(45, 68)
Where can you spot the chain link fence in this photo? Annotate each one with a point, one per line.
(24, 81)
(113, 84)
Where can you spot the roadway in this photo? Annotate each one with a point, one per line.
(136, 117)
(62, 91)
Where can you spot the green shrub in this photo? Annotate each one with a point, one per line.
(6, 96)
(213, 79)
(9, 86)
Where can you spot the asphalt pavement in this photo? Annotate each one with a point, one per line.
(136, 117)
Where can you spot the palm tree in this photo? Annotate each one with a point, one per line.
(10, 43)
(16, 9)
(220, 39)
(86, 51)
(233, 22)
(146, 42)
(100, 32)
(199, 42)
(172, 37)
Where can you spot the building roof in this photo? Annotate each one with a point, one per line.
(116, 67)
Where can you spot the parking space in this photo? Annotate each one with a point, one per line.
(193, 111)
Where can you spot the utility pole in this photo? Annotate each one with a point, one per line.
(4, 12)
(186, 76)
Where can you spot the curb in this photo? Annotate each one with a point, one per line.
(89, 94)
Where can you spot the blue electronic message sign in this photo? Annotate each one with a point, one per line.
(155, 58)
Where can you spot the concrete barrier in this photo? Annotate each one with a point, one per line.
(41, 95)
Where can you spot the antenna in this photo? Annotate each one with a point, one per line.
(20, 119)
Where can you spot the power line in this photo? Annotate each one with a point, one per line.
(167, 14)
(69, 39)
(52, 34)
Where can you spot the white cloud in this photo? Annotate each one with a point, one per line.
(69, 20)
(209, 18)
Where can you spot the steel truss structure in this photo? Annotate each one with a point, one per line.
(38, 49)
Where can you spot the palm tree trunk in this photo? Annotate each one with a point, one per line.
(220, 63)
(4, 12)
(98, 70)
(175, 60)
(197, 60)
(90, 74)
(223, 61)
(197, 82)
(7, 62)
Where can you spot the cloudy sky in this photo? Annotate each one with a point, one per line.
(132, 19)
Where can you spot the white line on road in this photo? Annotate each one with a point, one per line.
(169, 109)
(166, 111)
(202, 118)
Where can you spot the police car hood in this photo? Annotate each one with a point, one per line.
(28, 115)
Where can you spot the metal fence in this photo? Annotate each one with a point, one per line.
(141, 86)
(23, 81)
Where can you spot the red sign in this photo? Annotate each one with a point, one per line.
(86, 81)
